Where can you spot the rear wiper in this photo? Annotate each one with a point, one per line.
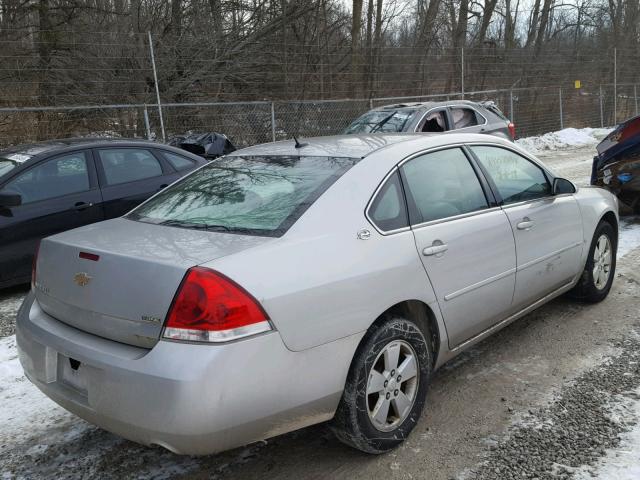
(179, 223)
(382, 122)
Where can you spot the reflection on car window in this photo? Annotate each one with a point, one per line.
(54, 178)
(178, 161)
(443, 184)
(463, 117)
(380, 121)
(388, 210)
(516, 178)
(252, 195)
(123, 165)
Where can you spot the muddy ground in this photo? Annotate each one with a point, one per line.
(541, 371)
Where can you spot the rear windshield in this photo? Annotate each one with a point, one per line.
(248, 195)
(379, 121)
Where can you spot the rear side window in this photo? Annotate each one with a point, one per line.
(178, 161)
(516, 178)
(249, 195)
(388, 210)
(54, 178)
(122, 165)
(442, 184)
(463, 117)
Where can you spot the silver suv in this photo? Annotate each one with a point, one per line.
(435, 117)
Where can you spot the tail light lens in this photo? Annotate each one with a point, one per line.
(33, 266)
(512, 130)
(209, 307)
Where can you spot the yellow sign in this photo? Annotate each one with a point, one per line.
(577, 84)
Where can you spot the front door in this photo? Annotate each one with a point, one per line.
(464, 241)
(57, 195)
(547, 228)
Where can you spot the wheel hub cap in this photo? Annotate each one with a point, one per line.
(392, 385)
(602, 260)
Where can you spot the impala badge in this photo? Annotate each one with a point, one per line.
(82, 279)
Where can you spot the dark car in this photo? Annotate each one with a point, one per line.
(49, 187)
(436, 117)
(617, 165)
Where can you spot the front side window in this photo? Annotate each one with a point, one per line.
(442, 184)
(381, 121)
(516, 178)
(54, 178)
(434, 122)
(122, 165)
(388, 210)
(250, 195)
(463, 117)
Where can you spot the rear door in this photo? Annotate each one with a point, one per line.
(547, 228)
(463, 239)
(128, 176)
(58, 194)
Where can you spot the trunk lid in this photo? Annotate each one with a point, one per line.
(126, 293)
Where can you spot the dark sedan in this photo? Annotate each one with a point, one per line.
(49, 187)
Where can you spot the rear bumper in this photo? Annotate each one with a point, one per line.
(189, 398)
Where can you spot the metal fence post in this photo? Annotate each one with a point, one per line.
(615, 86)
(462, 72)
(513, 117)
(601, 109)
(155, 79)
(147, 127)
(560, 99)
(635, 96)
(273, 122)
(371, 104)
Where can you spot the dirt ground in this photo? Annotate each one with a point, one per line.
(479, 409)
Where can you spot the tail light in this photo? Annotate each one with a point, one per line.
(209, 307)
(33, 266)
(512, 130)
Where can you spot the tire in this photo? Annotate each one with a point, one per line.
(355, 423)
(591, 288)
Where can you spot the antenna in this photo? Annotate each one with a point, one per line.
(298, 144)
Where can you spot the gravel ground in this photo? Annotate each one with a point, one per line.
(544, 398)
(577, 428)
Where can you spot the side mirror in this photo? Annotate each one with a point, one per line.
(562, 185)
(8, 199)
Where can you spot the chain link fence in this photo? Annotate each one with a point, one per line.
(534, 111)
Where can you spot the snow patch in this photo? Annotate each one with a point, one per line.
(569, 137)
(622, 462)
(629, 235)
(26, 411)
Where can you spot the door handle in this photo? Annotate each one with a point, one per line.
(525, 224)
(79, 206)
(435, 249)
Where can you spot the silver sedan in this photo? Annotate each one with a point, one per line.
(294, 283)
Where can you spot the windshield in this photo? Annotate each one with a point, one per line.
(10, 161)
(378, 121)
(249, 195)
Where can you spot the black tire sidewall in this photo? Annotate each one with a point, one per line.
(392, 329)
(591, 293)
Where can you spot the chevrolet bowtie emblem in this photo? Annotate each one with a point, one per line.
(82, 279)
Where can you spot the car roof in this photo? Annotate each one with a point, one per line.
(360, 146)
(416, 105)
(33, 149)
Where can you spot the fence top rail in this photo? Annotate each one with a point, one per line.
(63, 108)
